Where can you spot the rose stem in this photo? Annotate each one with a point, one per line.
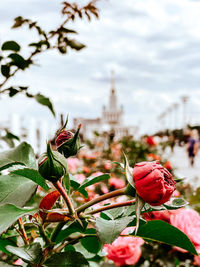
(72, 242)
(115, 193)
(44, 236)
(57, 230)
(23, 232)
(112, 206)
(60, 188)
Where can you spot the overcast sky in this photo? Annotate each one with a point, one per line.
(153, 47)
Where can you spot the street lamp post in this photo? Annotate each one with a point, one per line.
(175, 107)
(184, 99)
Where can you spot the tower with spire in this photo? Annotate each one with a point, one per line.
(112, 114)
(111, 120)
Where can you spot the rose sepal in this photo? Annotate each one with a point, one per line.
(138, 208)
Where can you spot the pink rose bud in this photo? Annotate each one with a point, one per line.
(68, 143)
(153, 183)
(63, 136)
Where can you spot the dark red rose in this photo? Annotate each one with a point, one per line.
(63, 136)
(153, 183)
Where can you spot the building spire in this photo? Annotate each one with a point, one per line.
(112, 80)
(113, 97)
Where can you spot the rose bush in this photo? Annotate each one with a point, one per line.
(89, 209)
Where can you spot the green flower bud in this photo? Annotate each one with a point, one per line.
(49, 165)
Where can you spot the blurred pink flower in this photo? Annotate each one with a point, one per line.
(80, 177)
(124, 250)
(116, 151)
(73, 164)
(92, 155)
(104, 189)
(196, 260)
(107, 165)
(95, 174)
(86, 169)
(116, 182)
(176, 193)
(18, 262)
(188, 221)
(163, 215)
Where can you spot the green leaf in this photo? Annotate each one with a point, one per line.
(93, 180)
(67, 259)
(133, 223)
(79, 248)
(176, 203)
(91, 243)
(75, 185)
(33, 175)
(29, 253)
(3, 244)
(108, 231)
(45, 101)
(13, 91)
(74, 44)
(18, 60)
(62, 49)
(16, 190)
(66, 30)
(163, 232)
(22, 154)
(114, 213)
(5, 70)
(10, 213)
(72, 227)
(40, 44)
(19, 21)
(11, 45)
(9, 139)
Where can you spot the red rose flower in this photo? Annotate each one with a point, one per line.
(153, 183)
(150, 141)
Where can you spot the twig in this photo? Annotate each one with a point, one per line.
(23, 232)
(112, 194)
(59, 187)
(71, 241)
(112, 206)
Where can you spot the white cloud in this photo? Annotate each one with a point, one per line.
(153, 46)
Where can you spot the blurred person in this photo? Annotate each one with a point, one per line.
(172, 142)
(192, 148)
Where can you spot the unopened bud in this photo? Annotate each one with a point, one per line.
(49, 165)
(68, 143)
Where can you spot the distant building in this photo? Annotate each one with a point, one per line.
(111, 120)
